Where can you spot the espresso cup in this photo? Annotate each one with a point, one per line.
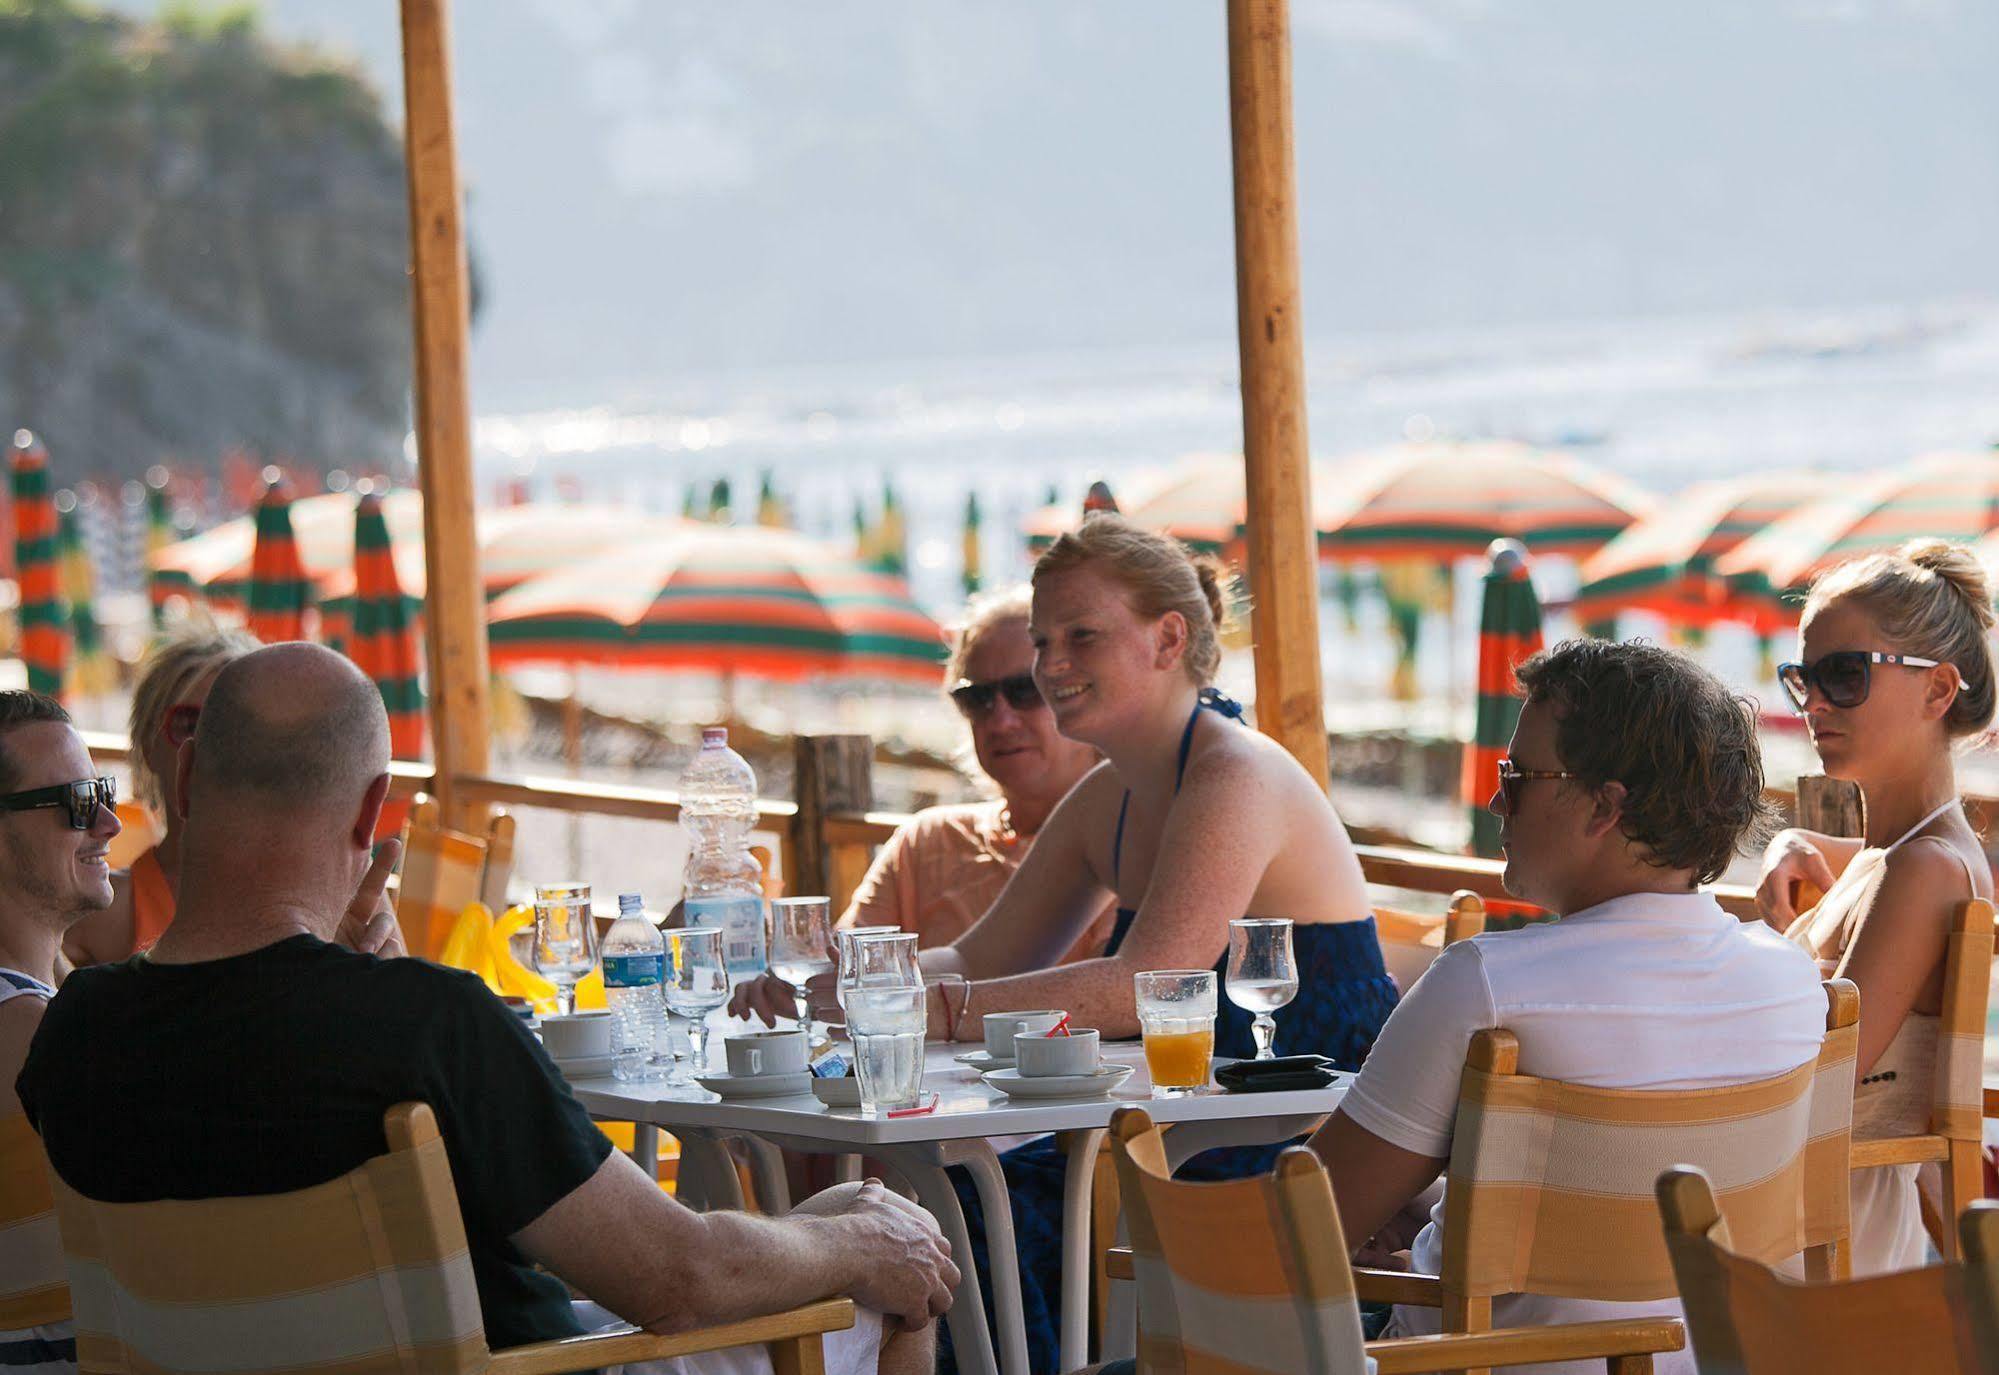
(578, 1036)
(1040, 1057)
(1001, 1026)
(765, 1052)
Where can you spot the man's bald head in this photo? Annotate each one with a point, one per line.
(292, 729)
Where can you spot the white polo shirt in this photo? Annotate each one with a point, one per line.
(1650, 991)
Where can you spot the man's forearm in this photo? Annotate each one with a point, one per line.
(742, 1265)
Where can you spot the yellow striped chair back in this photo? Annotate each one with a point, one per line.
(1747, 1320)
(442, 874)
(498, 866)
(366, 1273)
(1238, 1278)
(1551, 1185)
(34, 1287)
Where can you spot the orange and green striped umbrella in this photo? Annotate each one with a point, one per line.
(770, 506)
(159, 538)
(279, 592)
(91, 672)
(890, 552)
(1200, 501)
(722, 599)
(382, 634)
(1665, 563)
(1448, 500)
(972, 572)
(44, 618)
(1954, 496)
(1509, 631)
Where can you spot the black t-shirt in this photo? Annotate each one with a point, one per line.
(270, 1071)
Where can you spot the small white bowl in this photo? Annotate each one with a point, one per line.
(579, 1036)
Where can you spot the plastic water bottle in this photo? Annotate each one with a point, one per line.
(718, 805)
(634, 987)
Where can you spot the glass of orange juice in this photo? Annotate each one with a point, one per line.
(1176, 1011)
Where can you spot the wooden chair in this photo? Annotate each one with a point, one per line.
(1251, 1275)
(366, 1273)
(1549, 1187)
(499, 863)
(1955, 1140)
(441, 876)
(34, 1287)
(1411, 940)
(1747, 1320)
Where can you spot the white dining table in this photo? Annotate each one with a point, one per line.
(969, 1114)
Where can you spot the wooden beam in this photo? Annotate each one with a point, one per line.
(1282, 552)
(454, 604)
(832, 774)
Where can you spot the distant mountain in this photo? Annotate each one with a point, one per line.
(660, 190)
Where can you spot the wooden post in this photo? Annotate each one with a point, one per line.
(1831, 806)
(833, 774)
(454, 603)
(1282, 549)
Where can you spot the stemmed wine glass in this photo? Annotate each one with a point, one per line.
(565, 939)
(697, 982)
(801, 945)
(1262, 974)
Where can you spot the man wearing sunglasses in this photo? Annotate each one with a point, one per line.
(1632, 777)
(56, 821)
(253, 1054)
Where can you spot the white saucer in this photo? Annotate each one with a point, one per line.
(980, 1061)
(756, 1085)
(585, 1067)
(1015, 1085)
(844, 1092)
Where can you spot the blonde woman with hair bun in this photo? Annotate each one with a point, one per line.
(1895, 670)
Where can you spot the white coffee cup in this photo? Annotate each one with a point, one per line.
(578, 1036)
(1040, 1057)
(1001, 1026)
(765, 1052)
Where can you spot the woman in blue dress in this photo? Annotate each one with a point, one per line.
(1190, 821)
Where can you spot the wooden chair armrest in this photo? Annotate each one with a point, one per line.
(630, 1344)
(1397, 1286)
(1899, 1150)
(1640, 1337)
(1118, 1265)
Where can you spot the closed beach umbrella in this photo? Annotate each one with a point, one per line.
(44, 618)
(1953, 496)
(891, 543)
(1666, 562)
(90, 664)
(1509, 632)
(159, 538)
(728, 600)
(278, 593)
(718, 500)
(1449, 500)
(382, 631)
(971, 550)
(770, 506)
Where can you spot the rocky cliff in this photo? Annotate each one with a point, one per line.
(202, 244)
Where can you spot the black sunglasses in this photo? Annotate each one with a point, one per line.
(82, 798)
(976, 699)
(1844, 676)
(1512, 777)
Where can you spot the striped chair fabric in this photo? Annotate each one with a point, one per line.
(367, 1274)
(1955, 1139)
(442, 875)
(34, 1288)
(1250, 1277)
(1747, 1320)
(1551, 1185)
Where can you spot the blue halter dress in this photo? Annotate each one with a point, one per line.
(1344, 997)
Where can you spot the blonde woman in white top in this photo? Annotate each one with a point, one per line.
(1895, 670)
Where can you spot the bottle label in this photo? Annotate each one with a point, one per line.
(742, 921)
(634, 971)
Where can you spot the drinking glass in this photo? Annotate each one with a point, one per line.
(1262, 975)
(1176, 1013)
(887, 961)
(801, 945)
(887, 1023)
(697, 982)
(565, 939)
(845, 939)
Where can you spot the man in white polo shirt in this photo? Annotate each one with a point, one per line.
(1633, 777)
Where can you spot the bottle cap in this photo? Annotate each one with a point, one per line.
(714, 735)
(629, 905)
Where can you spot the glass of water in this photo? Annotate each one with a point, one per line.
(887, 961)
(565, 939)
(887, 1023)
(846, 940)
(697, 982)
(801, 945)
(1262, 975)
